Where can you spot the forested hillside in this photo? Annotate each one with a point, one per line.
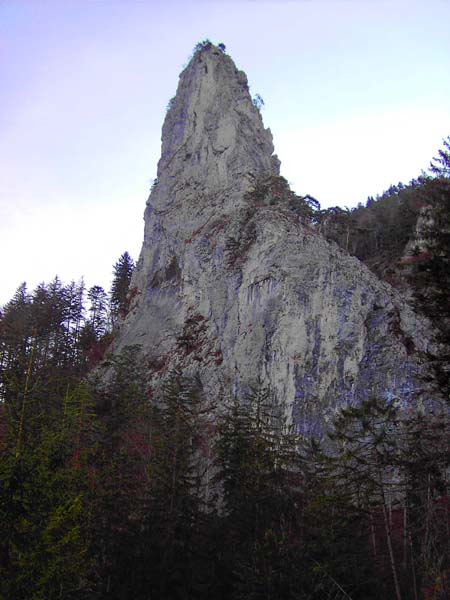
(403, 236)
(111, 489)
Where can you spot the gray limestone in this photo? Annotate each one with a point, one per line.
(244, 293)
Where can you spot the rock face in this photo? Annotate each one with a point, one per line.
(242, 292)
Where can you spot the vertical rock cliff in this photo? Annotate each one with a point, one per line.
(241, 291)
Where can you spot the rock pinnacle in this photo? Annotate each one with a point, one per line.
(242, 292)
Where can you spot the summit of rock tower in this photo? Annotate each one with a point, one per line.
(213, 137)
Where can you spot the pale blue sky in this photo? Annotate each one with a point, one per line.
(357, 97)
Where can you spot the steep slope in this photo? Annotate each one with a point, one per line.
(244, 293)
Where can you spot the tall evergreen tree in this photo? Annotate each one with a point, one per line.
(119, 297)
(177, 499)
(98, 310)
(363, 470)
(436, 196)
(430, 279)
(389, 469)
(259, 472)
(440, 165)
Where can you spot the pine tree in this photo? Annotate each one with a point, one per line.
(436, 196)
(440, 165)
(120, 300)
(98, 310)
(177, 494)
(388, 469)
(431, 279)
(259, 471)
(424, 463)
(15, 346)
(363, 469)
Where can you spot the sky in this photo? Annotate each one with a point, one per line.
(356, 92)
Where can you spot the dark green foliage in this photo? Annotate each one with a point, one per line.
(39, 335)
(120, 289)
(43, 503)
(377, 233)
(49, 433)
(206, 44)
(389, 470)
(430, 276)
(440, 165)
(436, 199)
(259, 472)
(114, 489)
(147, 531)
(177, 500)
(274, 190)
(98, 310)
(305, 207)
(126, 391)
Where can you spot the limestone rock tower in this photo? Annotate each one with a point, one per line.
(233, 286)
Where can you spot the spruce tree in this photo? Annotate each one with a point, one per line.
(119, 297)
(98, 310)
(259, 471)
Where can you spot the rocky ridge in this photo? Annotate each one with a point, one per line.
(244, 293)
